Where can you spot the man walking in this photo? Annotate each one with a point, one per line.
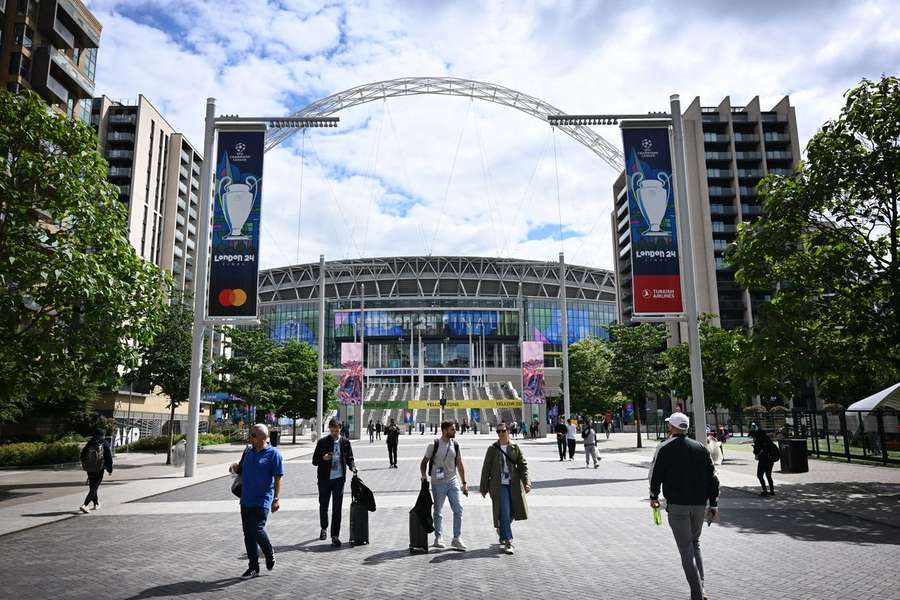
(442, 462)
(261, 469)
(332, 457)
(392, 433)
(571, 430)
(378, 428)
(684, 469)
(370, 429)
(561, 432)
(96, 457)
(590, 444)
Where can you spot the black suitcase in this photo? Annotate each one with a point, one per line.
(359, 524)
(418, 538)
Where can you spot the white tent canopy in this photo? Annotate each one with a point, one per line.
(886, 398)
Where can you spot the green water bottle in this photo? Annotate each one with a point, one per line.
(657, 516)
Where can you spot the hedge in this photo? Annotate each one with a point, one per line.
(30, 454)
(161, 443)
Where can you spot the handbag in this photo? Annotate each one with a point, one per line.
(237, 484)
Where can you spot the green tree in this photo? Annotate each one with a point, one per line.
(589, 361)
(253, 370)
(635, 364)
(76, 301)
(828, 246)
(296, 381)
(166, 362)
(719, 351)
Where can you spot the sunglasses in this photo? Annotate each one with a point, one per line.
(503, 431)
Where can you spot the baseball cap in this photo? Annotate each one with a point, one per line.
(679, 420)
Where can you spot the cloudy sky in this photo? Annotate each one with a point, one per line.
(449, 175)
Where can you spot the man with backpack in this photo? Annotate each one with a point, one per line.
(442, 462)
(96, 457)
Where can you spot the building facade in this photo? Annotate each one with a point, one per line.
(438, 319)
(50, 47)
(157, 171)
(728, 149)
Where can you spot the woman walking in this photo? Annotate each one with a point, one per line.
(505, 476)
(766, 452)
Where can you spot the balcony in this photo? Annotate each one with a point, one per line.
(745, 138)
(195, 183)
(779, 155)
(71, 75)
(67, 24)
(119, 172)
(123, 118)
(722, 209)
(622, 210)
(717, 156)
(723, 228)
(716, 190)
(124, 191)
(721, 265)
(749, 173)
(747, 191)
(185, 157)
(774, 136)
(120, 136)
(182, 188)
(180, 220)
(182, 205)
(751, 210)
(178, 252)
(195, 169)
(179, 235)
(119, 154)
(719, 173)
(183, 172)
(748, 155)
(715, 138)
(783, 172)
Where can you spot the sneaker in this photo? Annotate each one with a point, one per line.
(764, 493)
(438, 542)
(270, 562)
(772, 493)
(96, 506)
(597, 466)
(457, 544)
(83, 508)
(336, 542)
(509, 548)
(323, 535)
(250, 573)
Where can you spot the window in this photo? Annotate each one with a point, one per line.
(23, 35)
(22, 7)
(90, 67)
(19, 64)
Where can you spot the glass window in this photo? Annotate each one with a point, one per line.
(23, 35)
(22, 7)
(90, 67)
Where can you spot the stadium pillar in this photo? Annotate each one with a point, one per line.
(320, 383)
(564, 323)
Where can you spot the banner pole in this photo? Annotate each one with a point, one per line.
(687, 259)
(320, 383)
(564, 322)
(200, 276)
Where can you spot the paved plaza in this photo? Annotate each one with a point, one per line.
(829, 534)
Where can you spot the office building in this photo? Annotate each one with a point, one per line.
(50, 47)
(728, 149)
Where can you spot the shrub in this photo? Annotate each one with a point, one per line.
(30, 454)
(161, 443)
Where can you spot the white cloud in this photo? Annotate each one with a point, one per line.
(274, 57)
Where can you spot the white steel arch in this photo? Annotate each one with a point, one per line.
(450, 86)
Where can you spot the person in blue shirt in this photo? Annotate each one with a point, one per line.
(332, 456)
(261, 468)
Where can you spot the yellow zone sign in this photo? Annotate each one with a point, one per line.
(435, 404)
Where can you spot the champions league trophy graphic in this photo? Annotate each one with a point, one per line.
(237, 202)
(652, 196)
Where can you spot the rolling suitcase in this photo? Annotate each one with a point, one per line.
(418, 537)
(359, 524)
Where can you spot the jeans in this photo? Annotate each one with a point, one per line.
(687, 524)
(506, 513)
(571, 444)
(94, 480)
(590, 451)
(561, 446)
(392, 453)
(253, 520)
(333, 491)
(447, 490)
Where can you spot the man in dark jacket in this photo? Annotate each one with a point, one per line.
(393, 439)
(96, 457)
(561, 432)
(333, 456)
(685, 471)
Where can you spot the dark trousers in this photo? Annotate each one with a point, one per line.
(392, 453)
(332, 491)
(571, 444)
(94, 481)
(561, 446)
(764, 467)
(253, 520)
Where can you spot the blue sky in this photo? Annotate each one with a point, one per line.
(448, 175)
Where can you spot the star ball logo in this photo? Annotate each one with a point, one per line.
(646, 151)
(236, 297)
(241, 146)
(647, 143)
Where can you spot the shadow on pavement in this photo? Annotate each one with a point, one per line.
(570, 482)
(377, 559)
(53, 514)
(447, 555)
(856, 513)
(306, 546)
(187, 587)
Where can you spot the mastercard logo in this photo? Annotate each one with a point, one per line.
(232, 297)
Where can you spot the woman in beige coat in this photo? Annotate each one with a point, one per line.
(504, 475)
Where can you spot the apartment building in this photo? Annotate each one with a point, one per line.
(728, 149)
(50, 47)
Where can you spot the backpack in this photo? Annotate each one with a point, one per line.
(773, 452)
(92, 459)
(434, 453)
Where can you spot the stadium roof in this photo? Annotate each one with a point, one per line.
(434, 277)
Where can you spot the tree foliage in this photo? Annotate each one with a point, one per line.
(253, 371)
(828, 246)
(76, 301)
(589, 361)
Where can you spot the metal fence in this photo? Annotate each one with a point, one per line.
(870, 436)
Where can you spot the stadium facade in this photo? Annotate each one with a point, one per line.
(434, 325)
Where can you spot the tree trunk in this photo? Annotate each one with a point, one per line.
(294, 435)
(171, 434)
(637, 422)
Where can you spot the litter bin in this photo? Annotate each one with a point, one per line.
(274, 437)
(794, 457)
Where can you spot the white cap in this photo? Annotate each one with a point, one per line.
(679, 421)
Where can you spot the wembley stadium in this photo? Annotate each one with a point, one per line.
(434, 326)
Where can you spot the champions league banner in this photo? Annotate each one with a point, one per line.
(656, 280)
(350, 390)
(234, 254)
(532, 372)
